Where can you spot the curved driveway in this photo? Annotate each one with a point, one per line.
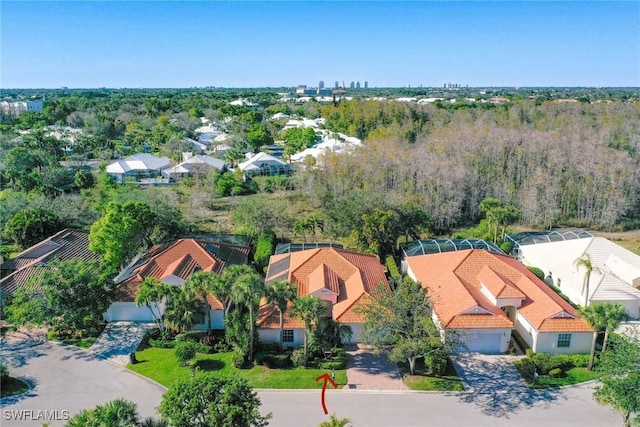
(66, 380)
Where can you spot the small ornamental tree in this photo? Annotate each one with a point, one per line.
(185, 351)
(619, 379)
(208, 400)
(71, 297)
(399, 322)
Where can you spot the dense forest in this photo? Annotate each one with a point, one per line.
(560, 157)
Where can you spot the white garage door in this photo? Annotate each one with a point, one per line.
(482, 342)
(128, 311)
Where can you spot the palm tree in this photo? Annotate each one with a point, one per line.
(222, 286)
(233, 157)
(200, 284)
(116, 413)
(153, 422)
(595, 315)
(585, 261)
(280, 294)
(309, 309)
(334, 333)
(301, 227)
(615, 313)
(314, 223)
(247, 291)
(151, 292)
(183, 309)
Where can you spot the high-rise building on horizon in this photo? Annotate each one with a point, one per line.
(321, 84)
(337, 85)
(357, 85)
(352, 85)
(366, 84)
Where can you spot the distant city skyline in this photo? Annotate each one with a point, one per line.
(113, 44)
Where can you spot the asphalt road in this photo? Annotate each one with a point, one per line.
(569, 407)
(67, 380)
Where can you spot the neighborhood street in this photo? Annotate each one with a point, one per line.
(569, 407)
(70, 379)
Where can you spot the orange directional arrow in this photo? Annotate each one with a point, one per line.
(327, 379)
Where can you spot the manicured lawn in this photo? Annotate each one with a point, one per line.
(572, 376)
(423, 380)
(430, 383)
(160, 365)
(13, 386)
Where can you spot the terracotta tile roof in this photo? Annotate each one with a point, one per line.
(350, 275)
(324, 278)
(479, 321)
(498, 286)
(174, 263)
(269, 317)
(454, 281)
(26, 267)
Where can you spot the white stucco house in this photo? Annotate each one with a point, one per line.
(483, 296)
(615, 276)
(191, 165)
(263, 164)
(138, 167)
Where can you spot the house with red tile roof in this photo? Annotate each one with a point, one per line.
(173, 263)
(484, 296)
(24, 269)
(343, 279)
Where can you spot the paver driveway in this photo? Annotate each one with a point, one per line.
(483, 373)
(119, 339)
(67, 379)
(369, 371)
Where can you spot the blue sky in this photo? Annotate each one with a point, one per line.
(263, 43)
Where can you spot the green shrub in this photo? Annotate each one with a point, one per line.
(221, 346)
(580, 360)
(162, 343)
(261, 355)
(535, 270)
(526, 368)
(298, 358)
(333, 365)
(437, 363)
(278, 361)
(185, 351)
(203, 348)
(209, 340)
(555, 373)
(392, 267)
(264, 250)
(542, 362)
(506, 247)
(529, 352)
(4, 373)
(194, 336)
(239, 358)
(339, 352)
(561, 361)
